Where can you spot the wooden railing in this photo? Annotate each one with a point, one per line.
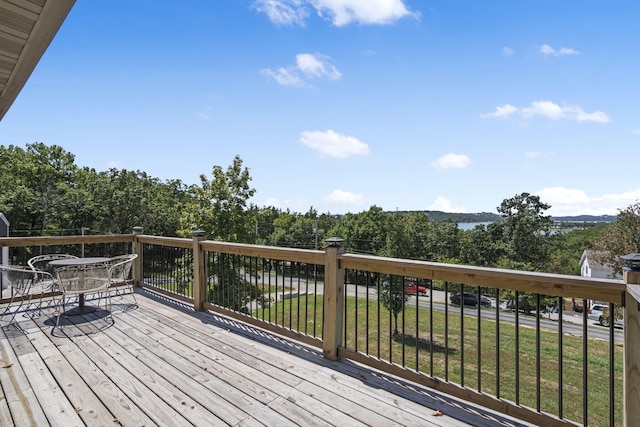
(335, 301)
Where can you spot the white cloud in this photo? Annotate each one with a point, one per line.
(451, 161)
(443, 204)
(317, 66)
(549, 110)
(284, 76)
(546, 109)
(339, 12)
(533, 154)
(343, 12)
(283, 12)
(342, 197)
(507, 51)
(502, 111)
(333, 144)
(309, 66)
(568, 201)
(596, 116)
(547, 50)
(293, 205)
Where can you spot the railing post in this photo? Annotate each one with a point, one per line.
(136, 248)
(631, 348)
(333, 299)
(199, 282)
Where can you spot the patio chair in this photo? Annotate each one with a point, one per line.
(25, 283)
(82, 279)
(41, 262)
(120, 270)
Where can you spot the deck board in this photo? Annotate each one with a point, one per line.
(161, 363)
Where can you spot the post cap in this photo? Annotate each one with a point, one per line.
(136, 229)
(632, 260)
(333, 242)
(198, 233)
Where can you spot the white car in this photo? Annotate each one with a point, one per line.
(595, 311)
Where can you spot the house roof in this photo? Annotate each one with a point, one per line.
(26, 30)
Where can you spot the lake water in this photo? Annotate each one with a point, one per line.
(469, 225)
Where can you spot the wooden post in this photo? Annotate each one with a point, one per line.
(136, 248)
(632, 348)
(199, 267)
(333, 299)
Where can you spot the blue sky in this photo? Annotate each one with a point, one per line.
(344, 104)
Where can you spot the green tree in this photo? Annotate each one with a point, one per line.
(481, 245)
(399, 242)
(525, 230)
(443, 241)
(364, 232)
(220, 207)
(293, 230)
(393, 298)
(35, 185)
(568, 248)
(621, 237)
(125, 199)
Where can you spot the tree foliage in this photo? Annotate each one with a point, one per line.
(45, 192)
(621, 237)
(393, 298)
(525, 229)
(220, 206)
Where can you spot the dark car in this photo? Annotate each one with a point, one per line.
(470, 299)
(526, 304)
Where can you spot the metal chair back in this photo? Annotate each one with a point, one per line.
(83, 278)
(120, 272)
(41, 262)
(24, 283)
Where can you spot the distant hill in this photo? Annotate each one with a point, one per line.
(585, 218)
(457, 216)
(490, 217)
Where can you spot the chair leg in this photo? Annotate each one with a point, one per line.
(60, 310)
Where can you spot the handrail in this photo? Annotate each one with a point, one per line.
(308, 256)
(64, 240)
(608, 290)
(164, 241)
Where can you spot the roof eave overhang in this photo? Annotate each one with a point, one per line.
(47, 24)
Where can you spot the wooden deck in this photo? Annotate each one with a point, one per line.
(161, 363)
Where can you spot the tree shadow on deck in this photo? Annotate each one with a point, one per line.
(80, 324)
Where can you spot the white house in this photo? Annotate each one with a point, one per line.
(590, 267)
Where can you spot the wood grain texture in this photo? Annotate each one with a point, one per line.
(167, 364)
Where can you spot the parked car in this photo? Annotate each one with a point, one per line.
(412, 288)
(604, 319)
(596, 311)
(469, 299)
(526, 304)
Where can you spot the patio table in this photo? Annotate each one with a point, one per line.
(82, 308)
